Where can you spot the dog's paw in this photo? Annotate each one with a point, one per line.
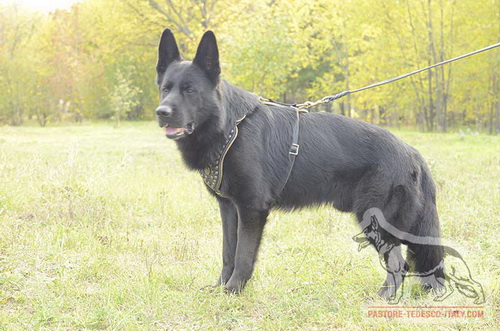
(231, 289)
(225, 276)
(234, 287)
(386, 292)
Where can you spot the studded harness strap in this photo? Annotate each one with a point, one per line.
(212, 174)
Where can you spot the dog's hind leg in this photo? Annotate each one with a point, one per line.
(427, 256)
(373, 192)
(427, 259)
(230, 238)
(250, 228)
(392, 289)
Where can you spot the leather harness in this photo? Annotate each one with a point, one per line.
(213, 173)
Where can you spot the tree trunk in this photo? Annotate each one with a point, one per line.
(346, 73)
(497, 83)
(497, 116)
(495, 107)
(432, 52)
(430, 118)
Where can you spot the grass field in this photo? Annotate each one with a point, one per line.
(104, 228)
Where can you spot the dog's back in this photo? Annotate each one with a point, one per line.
(341, 160)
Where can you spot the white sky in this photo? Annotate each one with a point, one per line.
(41, 5)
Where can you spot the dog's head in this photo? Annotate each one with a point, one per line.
(370, 235)
(188, 96)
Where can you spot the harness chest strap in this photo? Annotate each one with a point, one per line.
(213, 173)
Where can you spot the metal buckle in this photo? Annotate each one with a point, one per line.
(294, 149)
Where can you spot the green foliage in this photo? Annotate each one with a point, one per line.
(18, 79)
(124, 97)
(290, 50)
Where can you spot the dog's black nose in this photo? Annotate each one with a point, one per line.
(164, 111)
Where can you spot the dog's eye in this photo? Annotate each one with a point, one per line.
(189, 90)
(166, 89)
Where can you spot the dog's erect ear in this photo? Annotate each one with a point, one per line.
(167, 51)
(207, 56)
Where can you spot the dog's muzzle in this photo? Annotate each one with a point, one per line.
(163, 113)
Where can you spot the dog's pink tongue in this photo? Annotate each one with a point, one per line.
(173, 131)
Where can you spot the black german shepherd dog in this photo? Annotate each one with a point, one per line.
(344, 162)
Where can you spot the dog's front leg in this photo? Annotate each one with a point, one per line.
(250, 228)
(229, 217)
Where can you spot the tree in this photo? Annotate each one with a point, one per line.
(289, 50)
(18, 80)
(124, 97)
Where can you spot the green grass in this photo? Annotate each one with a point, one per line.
(104, 228)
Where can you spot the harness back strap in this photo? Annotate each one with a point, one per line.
(294, 148)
